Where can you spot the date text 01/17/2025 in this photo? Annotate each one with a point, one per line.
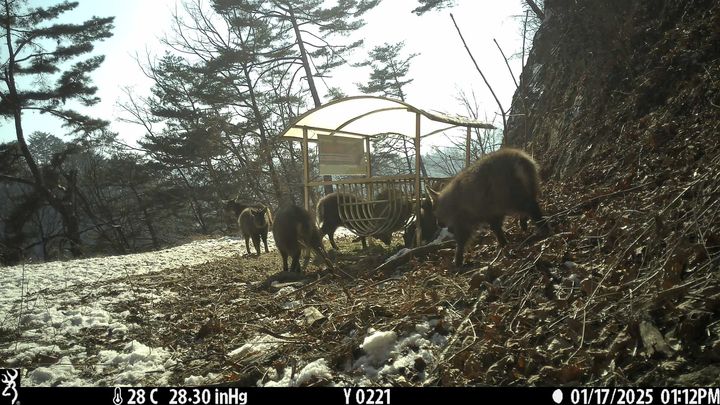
(645, 396)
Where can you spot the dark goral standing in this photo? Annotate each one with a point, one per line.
(502, 183)
(294, 230)
(253, 223)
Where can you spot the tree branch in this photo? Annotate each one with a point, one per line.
(411, 253)
(539, 13)
(502, 111)
(506, 62)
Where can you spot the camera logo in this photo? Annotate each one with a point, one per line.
(9, 378)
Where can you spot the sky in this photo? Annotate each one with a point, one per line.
(440, 71)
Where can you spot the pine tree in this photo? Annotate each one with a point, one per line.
(190, 143)
(342, 19)
(388, 78)
(237, 49)
(309, 27)
(427, 5)
(38, 76)
(389, 71)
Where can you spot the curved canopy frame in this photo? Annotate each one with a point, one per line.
(365, 117)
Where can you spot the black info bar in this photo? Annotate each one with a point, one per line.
(357, 396)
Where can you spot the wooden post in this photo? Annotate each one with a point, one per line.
(418, 230)
(369, 167)
(306, 168)
(367, 156)
(467, 148)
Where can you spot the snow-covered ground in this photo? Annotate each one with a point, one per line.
(56, 305)
(52, 304)
(32, 279)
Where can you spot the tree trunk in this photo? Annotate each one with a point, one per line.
(264, 144)
(70, 222)
(148, 220)
(70, 219)
(311, 82)
(43, 236)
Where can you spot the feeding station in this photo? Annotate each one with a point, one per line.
(342, 129)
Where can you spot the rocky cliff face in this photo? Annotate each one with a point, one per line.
(620, 81)
(620, 104)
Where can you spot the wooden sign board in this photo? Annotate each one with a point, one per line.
(341, 155)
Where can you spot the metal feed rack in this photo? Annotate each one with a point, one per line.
(369, 212)
(378, 205)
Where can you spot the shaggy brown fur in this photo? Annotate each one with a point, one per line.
(294, 230)
(253, 223)
(502, 183)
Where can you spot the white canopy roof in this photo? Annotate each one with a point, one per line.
(372, 116)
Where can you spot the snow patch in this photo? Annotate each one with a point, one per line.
(195, 380)
(259, 345)
(343, 232)
(28, 352)
(61, 373)
(136, 361)
(55, 305)
(285, 290)
(388, 355)
(377, 346)
(317, 370)
(30, 279)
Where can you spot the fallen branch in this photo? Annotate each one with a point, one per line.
(399, 260)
